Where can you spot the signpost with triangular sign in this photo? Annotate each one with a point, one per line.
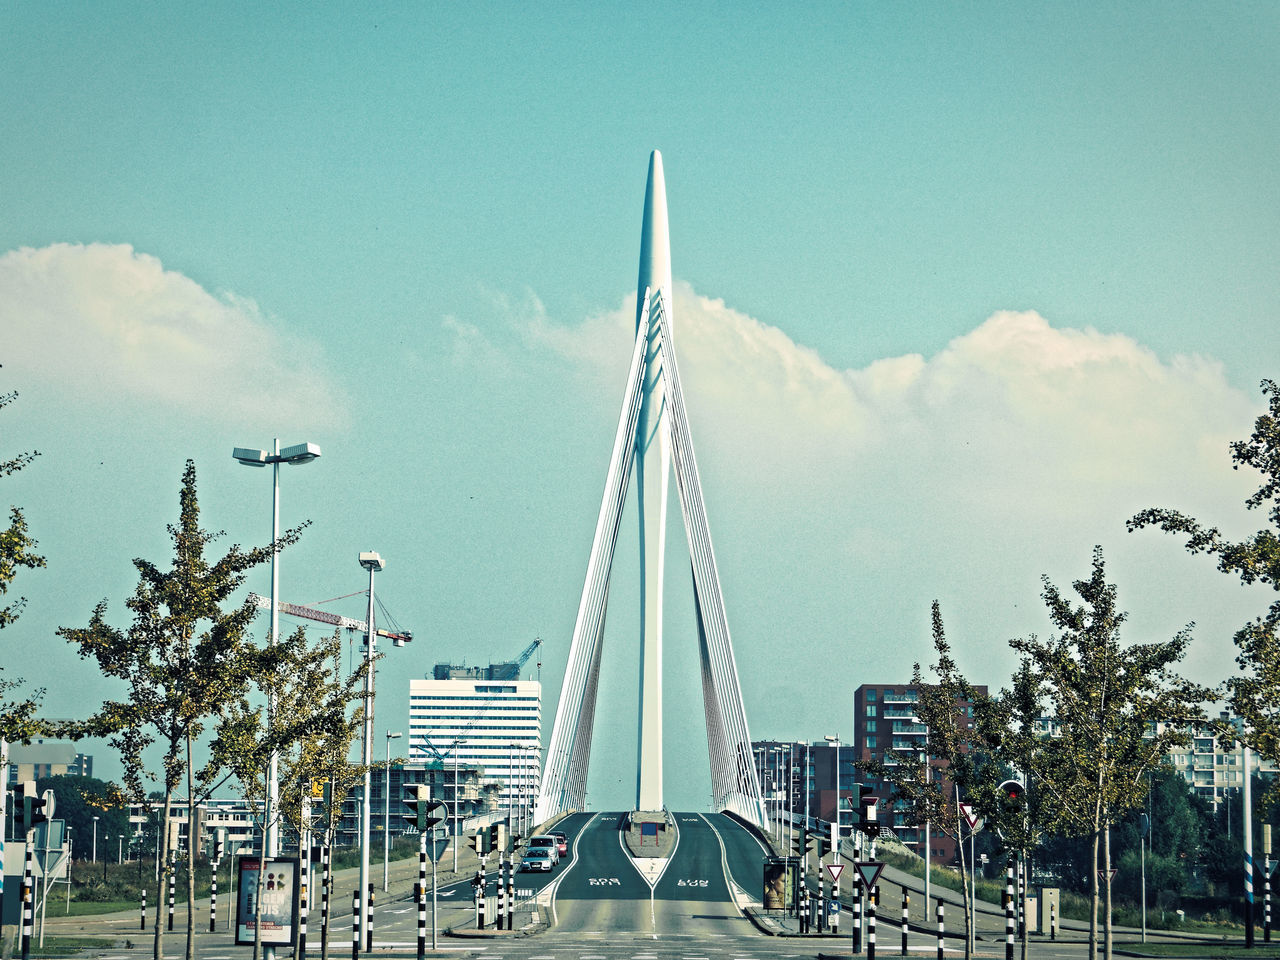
(868, 872)
(835, 869)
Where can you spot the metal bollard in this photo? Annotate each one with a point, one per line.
(173, 883)
(368, 933)
(213, 898)
(355, 924)
(906, 909)
(1053, 921)
(144, 909)
(942, 930)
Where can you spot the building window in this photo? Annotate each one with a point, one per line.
(871, 726)
(871, 693)
(871, 709)
(871, 742)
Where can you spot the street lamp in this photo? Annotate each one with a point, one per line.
(386, 814)
(373, 563)
(457, 824)
(119, 849)
(95, 839)
(253, 457)
(836, 741)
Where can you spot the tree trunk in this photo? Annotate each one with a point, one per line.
(163, 881)
(1093, 900)
(262, 868)
(1107, 868)
(969, 918)
(191, 858)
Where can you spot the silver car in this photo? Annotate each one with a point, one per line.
(539, 858)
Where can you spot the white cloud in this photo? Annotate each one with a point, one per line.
(110, 326)
(963, 475)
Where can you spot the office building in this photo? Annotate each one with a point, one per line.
(484, 718)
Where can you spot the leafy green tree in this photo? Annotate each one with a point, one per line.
(930, 785)
(185, 658)
(1253, 694)
(303, 716)
(17, 552)
(1119, 710)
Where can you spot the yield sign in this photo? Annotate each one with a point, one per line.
(969, 816)
(835, 869)
(868, 872)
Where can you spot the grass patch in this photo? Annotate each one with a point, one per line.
(69, 946)
(1203, 949)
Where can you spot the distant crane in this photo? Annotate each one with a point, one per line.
(333, 619)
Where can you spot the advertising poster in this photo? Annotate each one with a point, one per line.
(279, 893)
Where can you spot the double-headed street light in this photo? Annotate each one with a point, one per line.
(386, 814)
(253, 457)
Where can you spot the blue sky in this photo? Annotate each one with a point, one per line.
(961, 287)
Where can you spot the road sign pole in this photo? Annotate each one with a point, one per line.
(871, 924)
(1008, 910)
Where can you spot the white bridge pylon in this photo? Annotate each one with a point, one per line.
(652, 436)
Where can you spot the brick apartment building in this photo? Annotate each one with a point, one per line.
(885, 721)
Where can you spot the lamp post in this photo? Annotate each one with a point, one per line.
(95, 839)
(373, 563)
(253, 457)
(836, 741)
(386, 815)
(457, 823)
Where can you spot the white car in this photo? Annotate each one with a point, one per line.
(538, 858)
(548, 843)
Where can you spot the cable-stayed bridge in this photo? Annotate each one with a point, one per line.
(652, 442)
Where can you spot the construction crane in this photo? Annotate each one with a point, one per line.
(526, 654)
(333, 619)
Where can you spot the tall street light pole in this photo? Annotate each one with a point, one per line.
(95, 839)
(386, 815)
(253, 457)
(457, 824)
(373, 563)
(836, 852)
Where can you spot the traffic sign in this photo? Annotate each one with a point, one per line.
(1102, 875)
(868, 872)
(835, 869)
(966, 809)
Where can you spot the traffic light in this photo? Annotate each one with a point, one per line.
(869, 816)
(35, 809)
(479, 842)
(418, 799)
(496, 838)
(817, 842)
(1014, 790)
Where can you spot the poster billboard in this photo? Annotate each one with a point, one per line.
(779, 883)
(279, 893)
